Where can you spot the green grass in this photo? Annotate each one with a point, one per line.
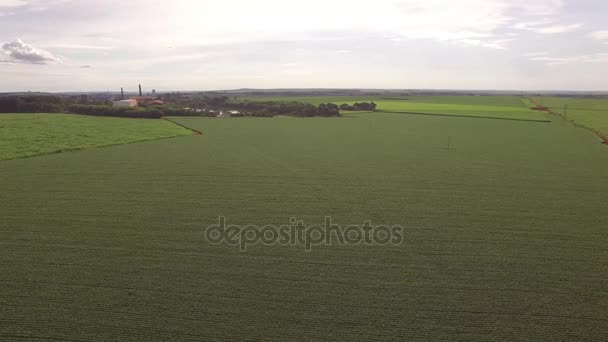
(24, 135)
(591, 113)
(500, 107)
(505, 234)
(501, 101)
(476, 110)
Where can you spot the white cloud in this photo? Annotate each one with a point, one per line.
(396, 40)
(546, 26)
(491, 44)
(142, 63)
(235, 21)
(580, 59)
(177, 23)
(531, 25)
(551, 61)
(12, 3)
(536, 54)
(7, 6)
(79, 47)
(599, 35)
(559, 29)
(30, 5)
(18, 51)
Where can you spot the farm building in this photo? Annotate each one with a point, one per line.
(125, 103)
(142, 99)
(227, 114)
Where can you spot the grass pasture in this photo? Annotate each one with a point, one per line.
(498, 107)
(504, 233)
(591, 113)
(474, 110)
(494, 101)
(24, 135)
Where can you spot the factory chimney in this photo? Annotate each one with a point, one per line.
(140, 94)
(122, 94)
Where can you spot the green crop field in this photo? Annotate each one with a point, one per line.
(591, 113)
(499, 107)
(504, 233)
(23, 135)
(501, 101)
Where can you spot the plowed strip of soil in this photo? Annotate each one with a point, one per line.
(194, 132)
(601, 135)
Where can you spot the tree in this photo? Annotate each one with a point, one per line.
(364, 106)
(329, 109)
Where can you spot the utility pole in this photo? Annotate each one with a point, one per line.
(565, 116)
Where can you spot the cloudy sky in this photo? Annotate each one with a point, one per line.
(81, 45)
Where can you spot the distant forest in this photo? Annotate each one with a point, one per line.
(175, 105)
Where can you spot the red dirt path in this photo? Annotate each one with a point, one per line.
(601, 135)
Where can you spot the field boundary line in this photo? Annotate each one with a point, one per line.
(603, 137)
(36, 337)
(76, 149)
(468, 116)
(398, 99)
(194, 131)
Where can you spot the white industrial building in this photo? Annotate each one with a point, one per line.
(125, 103)
(228, 114)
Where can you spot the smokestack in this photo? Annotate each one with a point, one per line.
(122, 94)
(140, 94)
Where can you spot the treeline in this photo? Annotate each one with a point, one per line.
(33, 104)
(253, 108)
(361, 107)
(144, 112)
(205, 101)
(272, 108)
(176, 105)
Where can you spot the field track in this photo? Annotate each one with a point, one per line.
(465, 116)
(603, 137)
(27, 135)
(194, 132)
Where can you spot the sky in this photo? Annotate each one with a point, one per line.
(98, 45)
